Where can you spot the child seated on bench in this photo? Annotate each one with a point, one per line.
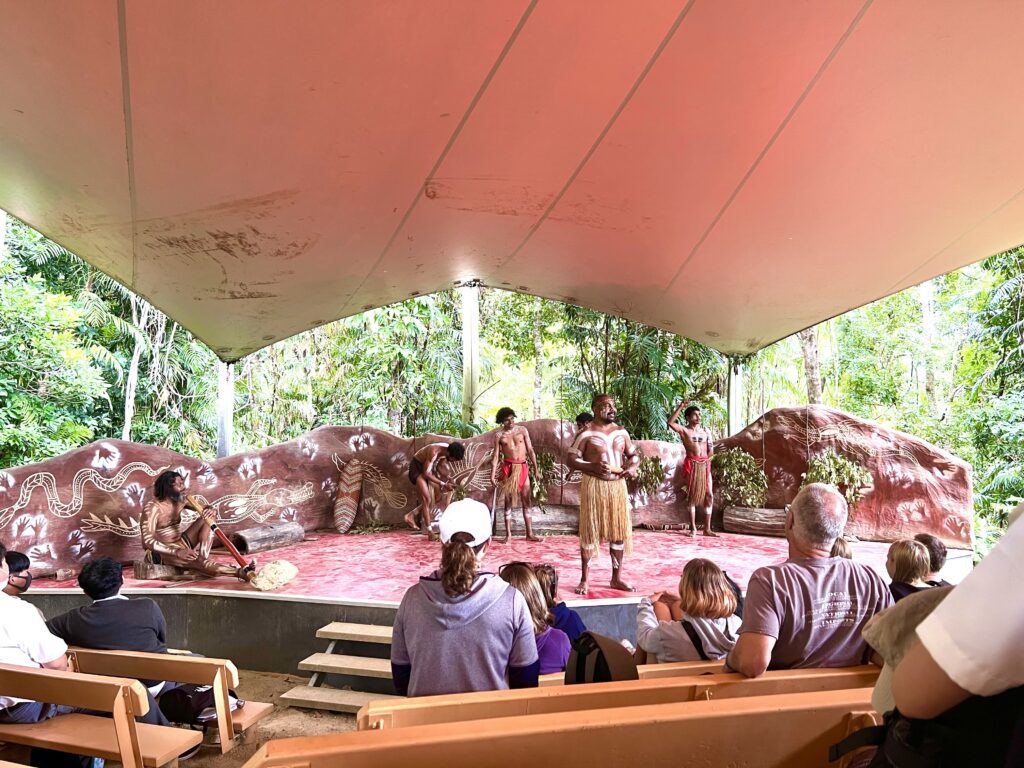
(700, 623)
(552, 644)
(566, 619)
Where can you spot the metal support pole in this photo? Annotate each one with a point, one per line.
(470, 350)
(735, 398)
(225, 407)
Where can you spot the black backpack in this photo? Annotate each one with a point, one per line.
(981, 732)
(193, 704)
(595, 658)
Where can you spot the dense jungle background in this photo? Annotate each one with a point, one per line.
(82, 358)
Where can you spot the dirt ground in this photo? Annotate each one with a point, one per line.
(284, 722)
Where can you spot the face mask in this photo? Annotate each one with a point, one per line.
(25, 577)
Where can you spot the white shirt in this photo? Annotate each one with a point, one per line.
(24, 639)
(975, 635)
(669, 641)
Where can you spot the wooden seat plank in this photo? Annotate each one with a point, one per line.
(95, 736)
(361, 633)
(246, 717)
(792, 730)
(406, 712)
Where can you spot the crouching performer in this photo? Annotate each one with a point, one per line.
(167, 541)
(605, 455)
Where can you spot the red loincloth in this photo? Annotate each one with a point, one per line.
(697, 471)
(506, 473)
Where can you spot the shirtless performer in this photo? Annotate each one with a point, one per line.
(168, 542)
(423, 474)
(604, 454)
(512, 447)
(696, 465)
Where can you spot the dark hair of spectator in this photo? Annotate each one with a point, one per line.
(548, 578)
(691, 409)
(101, 578)
(162, 488)
(16, 561)
(456, 450)
(504, 413)
(3, 552)
(584, 418)
(936, 550)
(458, 564)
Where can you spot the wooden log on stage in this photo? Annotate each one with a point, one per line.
(146, 571)
(267, 537)
(759, 522)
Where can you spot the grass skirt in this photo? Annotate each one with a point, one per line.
(604, 513)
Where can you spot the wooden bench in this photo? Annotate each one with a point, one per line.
(779, 731)
(117, 737)
(198, 670)
(424, 710)
(674, 669)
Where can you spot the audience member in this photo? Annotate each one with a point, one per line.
(25, 642)
(908, 565)
(965, 671)
(701, 623)
(461, 630)
(112, 622)
(566, 619)
(936, 559)
(19, 579)
(809, 610)
(552, 644)
(842, 548)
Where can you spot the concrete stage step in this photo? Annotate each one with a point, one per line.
(356, 666)
(333, 699)
(362, 633)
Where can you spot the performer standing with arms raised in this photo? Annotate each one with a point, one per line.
(512, 447)
(696, 465)
(604, 454)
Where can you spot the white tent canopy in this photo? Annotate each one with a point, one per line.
(732, 171)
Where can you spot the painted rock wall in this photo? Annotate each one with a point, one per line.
(916, 487)
(87, 502)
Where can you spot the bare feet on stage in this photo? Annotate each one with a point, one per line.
(709, 532)
(581, 588)
(410, 520)
(506, 539)
(617, 583)
(693, 533)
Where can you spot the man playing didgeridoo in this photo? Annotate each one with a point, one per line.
(512, 447)
(167, 541)
(423, 474)
(604, 454)
(696, 465)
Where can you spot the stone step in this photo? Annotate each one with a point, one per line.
(337, 664)
(333, 699)
(362, 633)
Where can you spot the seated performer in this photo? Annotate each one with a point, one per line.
(423, 474)
(697, 465)
(512, 447)
(167, 541)
(604, 454)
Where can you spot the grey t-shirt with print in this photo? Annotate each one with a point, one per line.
(816, 609)
(462, 643)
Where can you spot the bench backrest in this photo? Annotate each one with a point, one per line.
(673, 669)
(221, 674)
(791, 730)
(123, 698)
(402, 713)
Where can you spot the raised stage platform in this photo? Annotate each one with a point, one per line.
(361, 578)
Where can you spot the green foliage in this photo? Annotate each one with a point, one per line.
(738, 481)
(51, 393)
(647, 370)
(850, 478)
(546, 467)
(649, 474)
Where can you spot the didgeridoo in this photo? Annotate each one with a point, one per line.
(249, 569)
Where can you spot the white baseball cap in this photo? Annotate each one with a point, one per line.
(466, 516)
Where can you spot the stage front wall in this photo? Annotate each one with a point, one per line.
(88, 501)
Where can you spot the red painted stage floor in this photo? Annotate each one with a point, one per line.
(380, 567)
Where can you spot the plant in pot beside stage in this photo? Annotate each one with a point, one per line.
(738, 481)
(849, 477)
